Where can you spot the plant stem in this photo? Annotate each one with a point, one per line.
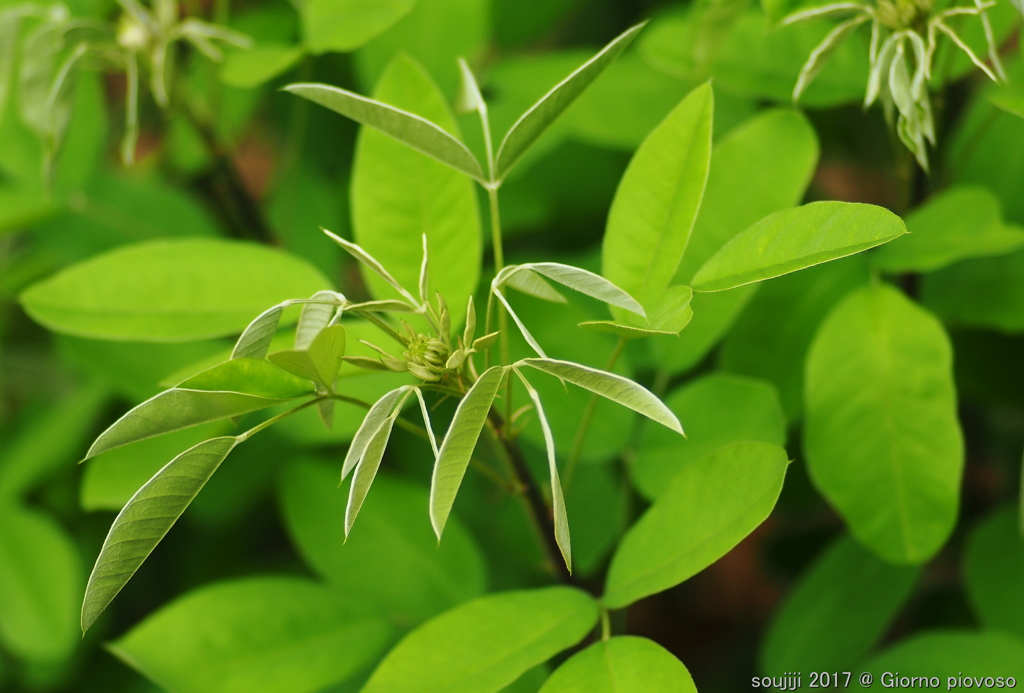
(499, 264)
(588, 415)
(274, 419)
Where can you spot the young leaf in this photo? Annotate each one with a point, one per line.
(797, 238)
(232, 388)
(369, 463)
(459, 443)
(614, 387)
(255, 340)
(371, 262)
(527, 282)
(882, 437)
(315, 317)
(557, 498)
(426, 421)
(838, 611)
(488, 642)
(709, 507)
(657, 200)
(241, 636)
(585, 282)
(519, 323)
(670, 315)
(408, 128)
(170, 290)
(525, 131)
(823, 51)
(320, 362)
(622, 663)
(376, 417)
(147, 518)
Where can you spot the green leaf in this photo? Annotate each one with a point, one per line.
(320, 362)
(671, 313)
(882, 437)
(840, 608)
(315, 317)
(959, 223)
(525, 131)
(623, 663)
(40, 580)
(719, 409)
(170, 291)
(398, 195)
(657, 200)
(994, 568)
(232, 388)
(823, 51)
(408, 128)
(376, 417)
(393, 561)
(794, 239)
(344, 25)
(256, 338)
(986, 293)
(147, 518)
(709, 507)
(529, 283)
(369, 463)
(575, 278)
(249, 69)
(953, 653)
(487, 643)
(558, 512)
(614, 387)
(459, 443)
(714, 314)
(267, 634)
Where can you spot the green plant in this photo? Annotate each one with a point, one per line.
(514, 519)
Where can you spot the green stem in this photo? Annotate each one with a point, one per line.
(383, 326)
(499, 264)
(274, 419)
(588, 416)
(606, 626)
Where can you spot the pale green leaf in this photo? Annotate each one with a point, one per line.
(525, 131)
(147, 518)
(709, 507)
(558, 512)
(316, 316)
(372, 263)
(610, 386)
(400, 195)
(718, 409)
(713, 316)
(249, 69)
(882, 437)
(486, 340)
(657, 200)
(487, 643)
(840, 608)
(585, 282)
(527, 282)
(953, 653)
(369, 463)
(344, 25)
(269, 634)
(170, 290)
(40, 582)
(797, 238)
(959, 223)
(376, 417)
(994, 569)
(671, 312)
(408, 128)
(623, 330)
(232, 388)
(623, 664)
(392, 561)
(459, 443)
(255, 339)
(320, 362)
(823, 51)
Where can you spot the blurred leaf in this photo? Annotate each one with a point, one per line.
(459, 443)
(147, 518)
(961, 222)
(392, 561)
(623, 663)
(839, 609)
(994, 568)
(170, 291)
(986, 292)
(50, 439)
(525, 131)
(40, 580)
(596, 500)
(244, 636)
(249, 69)
(708, 508)
(344, 25)
(299, 204)
(657, 201)
(718, 409)
(488, 642)
(882, 438)
(953, 653)
(22, 207)
(398, 195)
(232, 388)
(610, 386)
(793, 239)
(771, 337)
